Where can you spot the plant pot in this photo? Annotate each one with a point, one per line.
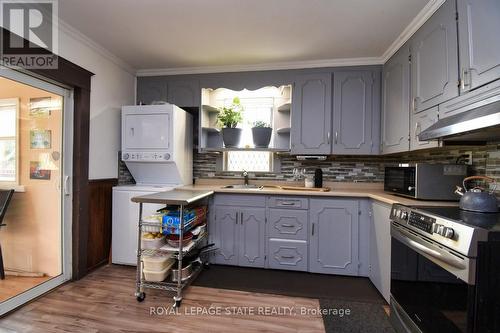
(231, 137)
(261, 136)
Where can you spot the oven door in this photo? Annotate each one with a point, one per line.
(400, 180)
(427, 296)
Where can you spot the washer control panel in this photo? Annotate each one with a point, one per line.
(146, 156)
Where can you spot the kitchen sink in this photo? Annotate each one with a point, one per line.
(244, 187)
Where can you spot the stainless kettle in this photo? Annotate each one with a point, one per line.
(477, 199)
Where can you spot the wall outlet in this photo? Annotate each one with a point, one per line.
(468, 157)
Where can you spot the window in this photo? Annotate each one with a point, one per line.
(8, 140)
(256, 109)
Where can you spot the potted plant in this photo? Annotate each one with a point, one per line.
(261, 133)
(230, 117)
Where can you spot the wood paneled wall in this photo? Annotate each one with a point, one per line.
(99, 227)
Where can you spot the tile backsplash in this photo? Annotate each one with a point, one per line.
(485, 161)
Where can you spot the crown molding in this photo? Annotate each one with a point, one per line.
(426, 12)
(262, 67)
(79, 36)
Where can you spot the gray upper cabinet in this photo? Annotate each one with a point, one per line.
(184, 93)
(311, 114)
(353, 112)
(396, 102)
(151, 89)
(434, 59)
(226, 235)
(252, 237)
(478, 28)
(334, 237)
(419, 122)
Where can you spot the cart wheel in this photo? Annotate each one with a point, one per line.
(141, 297)
(177, 303)
(206, 265)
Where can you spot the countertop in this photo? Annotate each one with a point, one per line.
(183, 196)
(358, 190)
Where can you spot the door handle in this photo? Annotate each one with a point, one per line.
(312, 231)
(241, 218)
(236, 218)
(132, 131)
(67, 190)
(328, 137)
(336, 137)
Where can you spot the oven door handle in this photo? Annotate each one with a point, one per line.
(431, 250)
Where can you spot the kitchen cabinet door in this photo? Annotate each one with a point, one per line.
(184, 93)
(434, 59)
(252, 225)
(311, 114)
(380, 249)
(396, 102)
(353, 112)
(478, 28)
(333, 246)
(419, 122)
(226, 235)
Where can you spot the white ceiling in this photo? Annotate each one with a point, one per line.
(174, 34)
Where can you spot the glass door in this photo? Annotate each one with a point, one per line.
(36, 140)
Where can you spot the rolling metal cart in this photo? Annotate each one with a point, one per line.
(180, 198)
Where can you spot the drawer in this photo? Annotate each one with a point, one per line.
(287, 254)
(287, 223)
(288, 202)
(239, 200)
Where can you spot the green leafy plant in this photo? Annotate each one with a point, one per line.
(260, 124)
(231, 116)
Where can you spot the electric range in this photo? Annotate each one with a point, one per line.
(445, 275)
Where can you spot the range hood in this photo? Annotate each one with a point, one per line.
(479, 124)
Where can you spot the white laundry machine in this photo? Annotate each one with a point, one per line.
(158, 150)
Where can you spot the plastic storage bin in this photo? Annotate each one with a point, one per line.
(157, 263)
(156, 276)
(152, 244)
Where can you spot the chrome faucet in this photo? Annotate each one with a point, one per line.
(245, 177)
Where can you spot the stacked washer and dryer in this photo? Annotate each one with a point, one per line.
(157, 148)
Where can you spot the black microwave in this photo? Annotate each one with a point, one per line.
(425, 181)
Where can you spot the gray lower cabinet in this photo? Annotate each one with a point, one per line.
(252, 225)
(311, 114)
(396, 102)
(239, 233)
(478, 28)
(380, 249)
(333, 246)
(353, 113)
(226, 235)
(419, 122)
(434, 59)
(287, 254)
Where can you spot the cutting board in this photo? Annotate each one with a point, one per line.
(300, 188)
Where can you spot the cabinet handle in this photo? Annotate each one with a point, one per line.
(328, 137)
(241, 218)
(463, 82)
(336, 137)
(236, 218)
(288, 203)
(288, 257)
(312, 232)
(287, 225)
(413, 102)
(417, 125)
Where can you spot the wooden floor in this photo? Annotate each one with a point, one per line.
(104, 302)
(14, 285)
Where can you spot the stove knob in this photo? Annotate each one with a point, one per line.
(125, 156)
(404, 215)
(438, 229)
(166, 156)
(449, 233)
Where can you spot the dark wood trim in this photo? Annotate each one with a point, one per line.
(99, 229)
(78, 79)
